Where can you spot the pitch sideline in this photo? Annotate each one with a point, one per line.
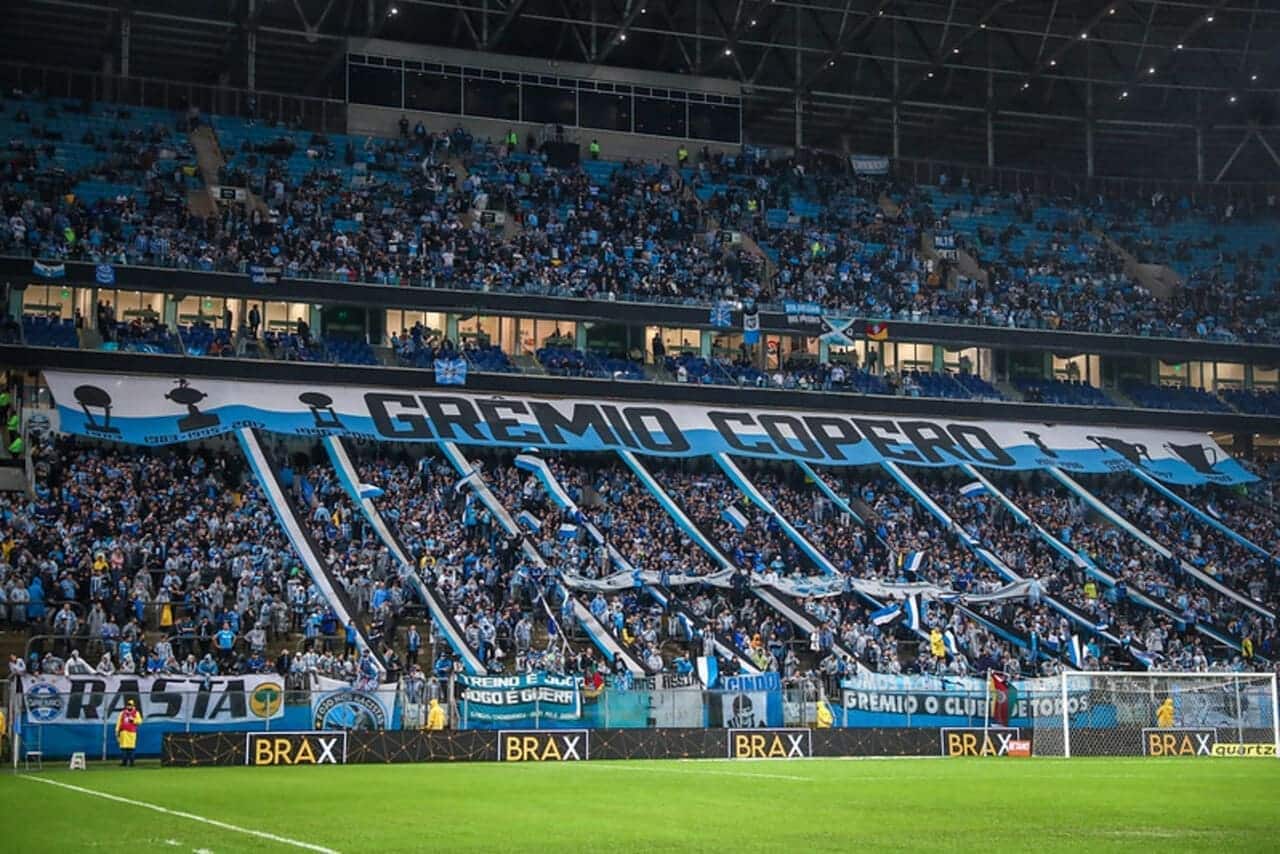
(261, 834)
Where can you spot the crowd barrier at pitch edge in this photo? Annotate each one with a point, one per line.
(336, 747)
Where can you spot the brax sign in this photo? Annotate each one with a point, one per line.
(522, 745)
(976, 741)
(1179, 741)
(770, 743)
(155, 411)
(295, 748)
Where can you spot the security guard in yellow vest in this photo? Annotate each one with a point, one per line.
(682, 154)
(512, 140)
(595, 149)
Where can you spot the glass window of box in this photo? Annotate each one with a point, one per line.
(284, 316)
(193, 310)
(1228, 375)
(57, 301)
(1266, 379)
(1082, 367)
(909, 357)
(401, 320)
(674, 339)
(129, 305)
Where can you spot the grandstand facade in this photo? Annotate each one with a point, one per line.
(589, 344)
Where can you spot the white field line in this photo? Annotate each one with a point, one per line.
(261, 834)
(662, 769)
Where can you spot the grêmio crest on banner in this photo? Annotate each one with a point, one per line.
(526, 697)
(94, 699)
(159, 411)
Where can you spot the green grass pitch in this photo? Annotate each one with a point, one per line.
(1034, 805)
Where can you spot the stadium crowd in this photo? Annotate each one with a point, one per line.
(400, 211)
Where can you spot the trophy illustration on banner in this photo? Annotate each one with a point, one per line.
(1040, 445)
(321, 406)
(1196, 456)
(186, 395)
(91, 397)
(1134, 453)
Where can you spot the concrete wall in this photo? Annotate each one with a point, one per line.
(530, 65)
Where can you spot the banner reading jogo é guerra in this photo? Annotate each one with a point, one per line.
(158, 411)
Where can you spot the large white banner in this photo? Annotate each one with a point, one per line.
(159, 411)
(187, 699)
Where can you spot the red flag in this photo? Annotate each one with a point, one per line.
(1002, 698)
(878, 331)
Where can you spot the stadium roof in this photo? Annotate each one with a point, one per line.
(1149, 72)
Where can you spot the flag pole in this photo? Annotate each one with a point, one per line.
(986, 711)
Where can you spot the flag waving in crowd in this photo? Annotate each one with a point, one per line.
(1003, 698)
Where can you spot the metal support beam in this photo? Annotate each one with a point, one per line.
(1199, 154)
(1088, 131)
(514, 8)
(1262, 140)
(126, 32)
(1232, 159)
(991, 121)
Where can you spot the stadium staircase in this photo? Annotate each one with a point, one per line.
(294, 525)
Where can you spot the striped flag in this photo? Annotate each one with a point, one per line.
(734, 517)
(529, 520)
(976, 487)
(49, 271)
(1075, 652)
(368, 490)
(568, 532)
(708, 670)
(913, 563)
(949, 641)
(886, 615)
(914, 614)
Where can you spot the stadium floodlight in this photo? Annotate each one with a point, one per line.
(1153, 713)
(1151, 70)
(393, 11)
(1253, 77)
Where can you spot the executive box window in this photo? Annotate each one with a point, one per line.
(377, 86)
(707, 121)
(606, 112)
(437, 93)
(491, 98)
(550, 106)
(665, 118)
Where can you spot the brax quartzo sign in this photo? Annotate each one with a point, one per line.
(154, 411)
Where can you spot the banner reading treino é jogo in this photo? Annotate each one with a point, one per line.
(158, 411)
(542, 700)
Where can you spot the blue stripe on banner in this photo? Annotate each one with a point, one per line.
(135, 418)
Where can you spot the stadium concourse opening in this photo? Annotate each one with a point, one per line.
(420, 388)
